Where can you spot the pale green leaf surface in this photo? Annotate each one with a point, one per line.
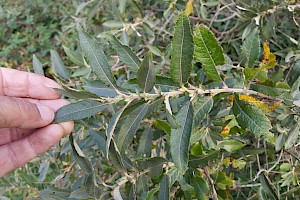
(146, 73)
(74, 56)
(96, 58)
(59, 66)
(37, 65)
(180, 137)
(208, 51)
(251, 117)
(79, 110)
(124, 52)
(182, 50)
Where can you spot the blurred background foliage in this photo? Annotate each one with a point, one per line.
(30, 27)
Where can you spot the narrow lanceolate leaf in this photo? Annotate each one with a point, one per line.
(201, 187)
(59, 66)
(267, 187)
(96, 58)
(112, 125)
(74, 56)
(251, 117)
(37, 65)
(182, 50)
(208, 51)
(180, 137)
(164, 190)
(251, 49)
(79, 110)
(202, 106)
(130, 126)
(146, 74)
(124, 52)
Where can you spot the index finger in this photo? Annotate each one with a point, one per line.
(16, 83)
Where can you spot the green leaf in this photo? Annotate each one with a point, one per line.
(59, 66)
(231, 145)
(145, 143)
(74, 56)
(146, 74)
(200, 186)
(73, 93)
(112, 125)
(99, 89)
(165, 81)
(259, 73)
(202, 106)
(208, 51)
(182, 50)
(150, 194)
(96, 58)
(251, 49)
(162, 125)
(164, 190)
(81, 160)
(267, 187)
(130, 126)
(37, 65)
(155, 50)
(292, 137)
(79, 110)
(99, 138)
(267, 89)
(251, 117)
(198, 162)
(180, 137)
(294, 73)
(124, 52)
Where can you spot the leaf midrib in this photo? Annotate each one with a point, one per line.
(94, 55)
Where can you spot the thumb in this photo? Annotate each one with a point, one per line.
(20, 113)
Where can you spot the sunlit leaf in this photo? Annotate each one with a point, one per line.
(74, 56)
(231, 145)
(180, 137)
(208, 51)
(182, 50)
(269, 58)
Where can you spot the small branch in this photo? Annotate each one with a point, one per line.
(211, 184)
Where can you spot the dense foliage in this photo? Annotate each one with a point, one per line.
(177, 100)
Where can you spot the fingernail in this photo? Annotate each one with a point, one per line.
(46, 113)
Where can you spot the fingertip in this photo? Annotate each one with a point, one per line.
(67, 126)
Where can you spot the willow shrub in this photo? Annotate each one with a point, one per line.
(201, 129)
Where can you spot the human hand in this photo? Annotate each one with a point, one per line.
(27, 107)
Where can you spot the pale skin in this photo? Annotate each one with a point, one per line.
(27, 108)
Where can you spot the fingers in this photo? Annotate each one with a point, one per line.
(24, 84)
(20, 113)
(18, 153)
